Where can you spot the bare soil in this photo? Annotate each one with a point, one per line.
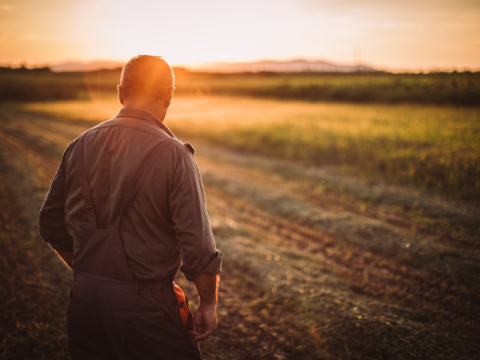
(319, 263)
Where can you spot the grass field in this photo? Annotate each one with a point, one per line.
(454, 89)
(45, 85)
(459, 89)
(432, 148)
(319, 263)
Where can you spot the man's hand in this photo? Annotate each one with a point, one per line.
(205, 317)
(204, 322)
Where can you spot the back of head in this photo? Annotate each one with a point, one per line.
(148, 77)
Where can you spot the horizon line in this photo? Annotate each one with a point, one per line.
(196, 65)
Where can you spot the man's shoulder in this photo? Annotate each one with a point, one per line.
(96, 134)
(182, 149)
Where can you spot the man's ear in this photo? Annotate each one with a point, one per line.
(120, 93)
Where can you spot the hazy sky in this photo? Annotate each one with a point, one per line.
(406, 34)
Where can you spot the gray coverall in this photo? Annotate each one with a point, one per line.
(128, 200)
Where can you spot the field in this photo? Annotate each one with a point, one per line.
(432, 148)
(453, 89)
(458, 89)
(335, 248)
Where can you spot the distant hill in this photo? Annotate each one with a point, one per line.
(224, 67)
(91, 66)
(280, 66)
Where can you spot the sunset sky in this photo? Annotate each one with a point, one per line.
(394, 35)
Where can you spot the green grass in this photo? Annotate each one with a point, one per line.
(435, 148)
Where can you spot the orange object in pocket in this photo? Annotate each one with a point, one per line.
(182, 304)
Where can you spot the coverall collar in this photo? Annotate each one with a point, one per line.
(144, 115)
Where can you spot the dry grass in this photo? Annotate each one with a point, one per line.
(33, 290)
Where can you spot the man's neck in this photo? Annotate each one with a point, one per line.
(159, 112)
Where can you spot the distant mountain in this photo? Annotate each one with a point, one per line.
(280, 66)
(91, 66)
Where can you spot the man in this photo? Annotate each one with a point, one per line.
(125, 207)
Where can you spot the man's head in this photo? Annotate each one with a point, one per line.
(146, 80)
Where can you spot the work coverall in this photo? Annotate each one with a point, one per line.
(128, 199)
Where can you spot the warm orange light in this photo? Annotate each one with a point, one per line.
(390, 34)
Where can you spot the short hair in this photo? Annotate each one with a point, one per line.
(147, 76)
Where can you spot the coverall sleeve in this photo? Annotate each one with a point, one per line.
(189, 213)
(51, 219)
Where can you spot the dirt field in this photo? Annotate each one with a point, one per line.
(317, 265)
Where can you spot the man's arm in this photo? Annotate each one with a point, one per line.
(205, 317)
(201, 259)
(51, 219)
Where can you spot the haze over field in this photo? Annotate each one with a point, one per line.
(407, 35)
